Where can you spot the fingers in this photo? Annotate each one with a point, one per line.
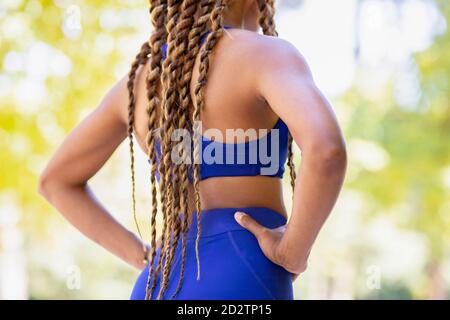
(250, 224)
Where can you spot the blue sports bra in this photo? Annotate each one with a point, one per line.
(265, 156)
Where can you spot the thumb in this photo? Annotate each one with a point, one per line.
(249, 223)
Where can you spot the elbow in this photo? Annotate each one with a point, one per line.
(335, 157)
(292, 261)
(329, 156)
(43, 185)
(52, 184)
(46, 185)
(295, 267)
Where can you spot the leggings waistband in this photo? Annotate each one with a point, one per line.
(216, 221)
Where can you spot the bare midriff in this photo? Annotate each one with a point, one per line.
(241, 192)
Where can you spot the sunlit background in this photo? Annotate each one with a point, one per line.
(385, 66)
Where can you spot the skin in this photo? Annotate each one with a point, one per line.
(243, 91)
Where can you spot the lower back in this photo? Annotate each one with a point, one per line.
(241, 192)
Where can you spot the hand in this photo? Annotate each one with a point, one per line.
(147, 253)
(269, 239)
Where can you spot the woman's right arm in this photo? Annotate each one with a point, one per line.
(284, 80)
(64, 182)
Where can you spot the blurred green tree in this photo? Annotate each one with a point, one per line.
(416, 176)
(58, 58)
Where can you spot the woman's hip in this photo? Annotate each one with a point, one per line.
(232, 265)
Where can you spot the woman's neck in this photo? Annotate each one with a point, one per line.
(242, 18)
(236, 24)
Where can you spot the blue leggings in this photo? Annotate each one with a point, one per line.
(232, 265)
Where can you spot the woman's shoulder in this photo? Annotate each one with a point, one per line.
(254, 50)
(251, 39)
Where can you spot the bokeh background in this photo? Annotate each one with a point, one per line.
(384, 65)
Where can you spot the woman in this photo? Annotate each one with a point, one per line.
(225, 233)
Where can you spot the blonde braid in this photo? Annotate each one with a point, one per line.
(166, 169)
(290, 161)
(199, 27)
(180, 116)
(211, 40)
(157, 13)
(266, 17)
(141, 58)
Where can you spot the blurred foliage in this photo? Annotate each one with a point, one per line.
(96, 51)
(390, 291)
(44, 53)
(417, 143)
(413, 186)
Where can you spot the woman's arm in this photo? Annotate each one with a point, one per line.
(64, 181)
(285, 81)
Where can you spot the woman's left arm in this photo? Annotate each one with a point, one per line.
(64, 181)
(285, 81)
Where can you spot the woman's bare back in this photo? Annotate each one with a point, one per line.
(231, 101)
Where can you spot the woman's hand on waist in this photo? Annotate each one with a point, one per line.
(270, 242)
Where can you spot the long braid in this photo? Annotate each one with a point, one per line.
(198, 28)
(267, 22)
(161, 169)
(180, 116)
(167, 122)
(157, 13)
(290, 161)
(141, 58)
(266, 17)
(211, 40)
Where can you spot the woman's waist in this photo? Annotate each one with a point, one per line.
(238, 192)
(221, 220)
